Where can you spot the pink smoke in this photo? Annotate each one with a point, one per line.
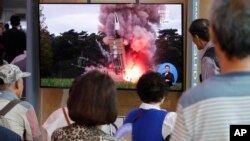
(135, 28)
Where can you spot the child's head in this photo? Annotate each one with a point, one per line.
(151, 87)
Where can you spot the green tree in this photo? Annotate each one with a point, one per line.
(69, 46)
(46, 54)
(170, 49)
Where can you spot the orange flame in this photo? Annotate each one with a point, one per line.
(132, 72)
(137, 59)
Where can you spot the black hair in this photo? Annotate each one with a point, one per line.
(151, 87)
(6, 26)
(199, 27)
(167, 66)
(14, 20)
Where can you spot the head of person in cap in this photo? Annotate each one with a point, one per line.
(11, 79)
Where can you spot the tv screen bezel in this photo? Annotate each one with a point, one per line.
(183, 32)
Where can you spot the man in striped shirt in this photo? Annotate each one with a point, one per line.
(205, 112)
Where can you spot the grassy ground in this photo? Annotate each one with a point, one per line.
(55, 82)
(66, 83)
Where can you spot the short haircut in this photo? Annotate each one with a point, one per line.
(6, 26)
(151, 87)
(14, 20)
(199, 27)
(230, 22)
(167, 66)
(92, 99)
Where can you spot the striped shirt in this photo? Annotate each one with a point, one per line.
(205, 112)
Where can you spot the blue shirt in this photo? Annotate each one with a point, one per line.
(154, 119)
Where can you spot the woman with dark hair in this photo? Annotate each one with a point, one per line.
(91, 103)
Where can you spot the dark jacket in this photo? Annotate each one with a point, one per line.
(14, 41)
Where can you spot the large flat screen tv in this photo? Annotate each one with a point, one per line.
(123, 40)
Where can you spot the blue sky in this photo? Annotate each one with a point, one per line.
(84, 17)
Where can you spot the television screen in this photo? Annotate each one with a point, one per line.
(123, 40)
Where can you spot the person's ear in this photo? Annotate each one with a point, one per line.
(198, 40)
(195, 38)
(17, 84)
(19, 87)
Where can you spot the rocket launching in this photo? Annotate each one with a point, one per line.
(116, 21)
(117, 48)
(130, 24)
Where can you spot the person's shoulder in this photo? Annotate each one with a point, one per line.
(161, 113)
(103, 136)
(133, 111)
(22, 32)
(26, 104)
(203, 91)
(130, 116)
(58, 133)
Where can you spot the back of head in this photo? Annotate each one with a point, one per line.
(6, 26)
(151, 87)
(10, 73)
(230, 20)
(14, 20)
(92, 99)
(199, 27)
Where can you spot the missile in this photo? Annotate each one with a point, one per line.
(117, 49)
(117, 27)
(117, 23)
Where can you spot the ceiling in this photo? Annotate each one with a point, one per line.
(13, 3)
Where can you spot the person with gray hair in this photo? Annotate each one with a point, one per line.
(20, 116)
(206, 111)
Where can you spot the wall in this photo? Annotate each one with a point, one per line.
(52, 99)
(204, 4)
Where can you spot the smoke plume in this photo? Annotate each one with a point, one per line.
(135, 28)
